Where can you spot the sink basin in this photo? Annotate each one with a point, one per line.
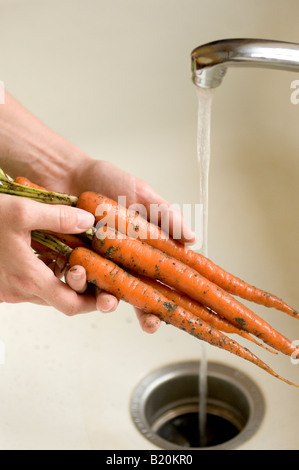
(99, 73)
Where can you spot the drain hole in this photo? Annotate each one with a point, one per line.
(183, 429)
(165, 407)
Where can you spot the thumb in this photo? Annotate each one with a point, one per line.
(57, 218)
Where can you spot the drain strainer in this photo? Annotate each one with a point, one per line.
(165, 407)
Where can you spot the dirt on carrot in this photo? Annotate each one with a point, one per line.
(113, 279)
(206, 314)
(135, 226)
(150, 262)
(178, 285)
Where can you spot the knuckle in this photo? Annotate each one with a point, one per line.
(9, 297)
(143, 189)
(21, 212)
(70, 309)
(67, 219)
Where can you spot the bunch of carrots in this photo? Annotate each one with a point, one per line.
(159, 275)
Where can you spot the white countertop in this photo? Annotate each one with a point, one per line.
(66, 383)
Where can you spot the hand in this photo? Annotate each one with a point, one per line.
(24, 277)
(60, 166)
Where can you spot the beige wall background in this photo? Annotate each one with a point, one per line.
(114, 78)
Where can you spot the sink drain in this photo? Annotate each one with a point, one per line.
(165, 407)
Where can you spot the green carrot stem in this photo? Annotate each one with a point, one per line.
(47, 197)
(4, 176)
(51, 242)
(89, 234)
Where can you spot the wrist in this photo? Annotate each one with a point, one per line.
(29, 148)
(61, 166)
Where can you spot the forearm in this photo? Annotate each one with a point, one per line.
(30, 148)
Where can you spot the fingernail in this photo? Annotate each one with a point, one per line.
(75, 273)
(188, 234)
(180, 229)
(85, 220)
(108, 304)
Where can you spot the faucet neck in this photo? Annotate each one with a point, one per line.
(210, 61)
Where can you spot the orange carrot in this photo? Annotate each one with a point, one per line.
(199, 310)
(26, 182)
(113, 279)
(21, 186)
(136, 226)
(106, 275)
(250, 323)
(148, 261)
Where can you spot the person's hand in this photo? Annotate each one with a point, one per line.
(110, 180)
(26, 278)
(29, 148)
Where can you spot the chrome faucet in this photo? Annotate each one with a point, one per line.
(210, 61)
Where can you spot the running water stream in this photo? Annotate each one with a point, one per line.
(205, 97)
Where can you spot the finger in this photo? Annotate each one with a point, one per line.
(171, 219)
(69, 302)
(140, 192)
(76, 279)
(57, 218)
(167, 216)
(106, 302)
(149, 323)
(60, 296)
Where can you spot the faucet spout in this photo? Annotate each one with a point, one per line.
(210, 61)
